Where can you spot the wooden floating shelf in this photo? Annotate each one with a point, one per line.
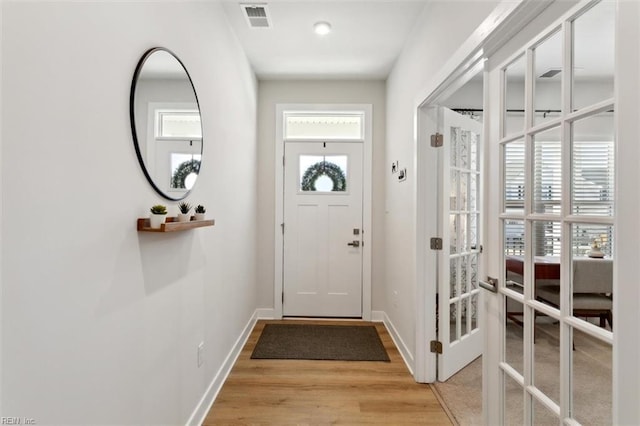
(172, 225)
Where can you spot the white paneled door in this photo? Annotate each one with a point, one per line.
(459, 328)
(323, 236)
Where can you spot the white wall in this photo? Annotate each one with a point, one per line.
(440, 31)
(322, 92)
(100, 323)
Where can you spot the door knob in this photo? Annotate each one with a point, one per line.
(354, 243)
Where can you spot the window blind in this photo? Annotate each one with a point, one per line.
(514, 177)
(592, 188)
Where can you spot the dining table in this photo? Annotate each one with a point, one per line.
(545, 267)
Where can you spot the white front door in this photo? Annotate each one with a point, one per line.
(459, 328)
(323, 229)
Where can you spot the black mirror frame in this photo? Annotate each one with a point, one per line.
(132, 116)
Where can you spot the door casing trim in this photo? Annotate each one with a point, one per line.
(367, 206)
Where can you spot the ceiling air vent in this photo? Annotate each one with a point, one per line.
(257, 15)
(551, 72)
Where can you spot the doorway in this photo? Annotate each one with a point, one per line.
(533, 214)
(451, 175)
(323, 211)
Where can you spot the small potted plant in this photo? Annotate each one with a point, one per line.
(158, 216)
(200, 211)
(184, 215)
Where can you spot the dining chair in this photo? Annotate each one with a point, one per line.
(592, 290)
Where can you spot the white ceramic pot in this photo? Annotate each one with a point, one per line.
(595, 252)
(199, 216)
(184, 217)
(155, 220)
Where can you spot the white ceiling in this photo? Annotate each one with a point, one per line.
(367, 37)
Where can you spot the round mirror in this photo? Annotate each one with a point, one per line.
(165, 122)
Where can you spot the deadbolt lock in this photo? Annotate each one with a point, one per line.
(356, 231)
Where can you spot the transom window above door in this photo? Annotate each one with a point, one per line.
(303, 126)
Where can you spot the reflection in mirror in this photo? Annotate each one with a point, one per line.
(548, 76)
(593, 47)
(514, 97)
(166, 124)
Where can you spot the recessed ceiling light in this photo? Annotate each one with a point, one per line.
(322, 28)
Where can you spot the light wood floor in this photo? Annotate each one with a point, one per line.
(281, 392)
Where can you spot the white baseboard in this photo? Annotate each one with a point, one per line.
(378, 316)
(206, 402)
(381, 316)
(265, 314)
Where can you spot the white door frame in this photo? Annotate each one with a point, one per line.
(504, 21)
(367, 176)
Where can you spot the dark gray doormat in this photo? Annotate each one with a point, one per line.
(320, 342)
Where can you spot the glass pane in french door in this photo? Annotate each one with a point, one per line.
(594, 37)
(514, 171)
(592, 273)
(514, 246)
(513, 402)
(473, 312)
(513, 336)
(592, 380)
(546, 356)
(547, 172)
(454, 321)
(593, 165)
(463, 232)
(548, 75)
(513, 118)
(546, 262)
(542, 416)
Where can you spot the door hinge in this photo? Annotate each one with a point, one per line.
(283, 161)
(436, 243)
(282, 226)
(283, 297)
(436, 346)
(437, 140)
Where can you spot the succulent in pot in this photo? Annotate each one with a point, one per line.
(158, 216)
(200, 211)
(184, 215)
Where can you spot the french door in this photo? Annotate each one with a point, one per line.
(459, 330)
(556, 215)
